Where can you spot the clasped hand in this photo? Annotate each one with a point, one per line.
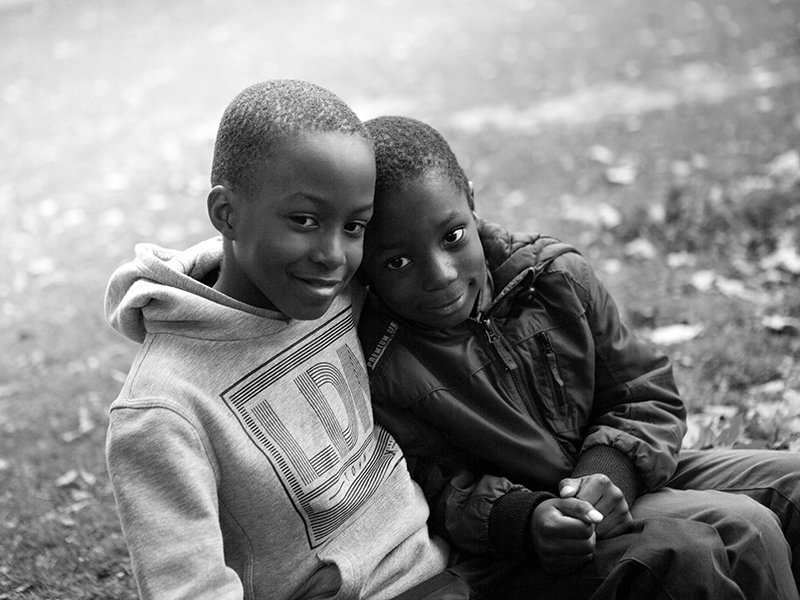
(565, 530)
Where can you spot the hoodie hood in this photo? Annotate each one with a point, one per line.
(161, 291)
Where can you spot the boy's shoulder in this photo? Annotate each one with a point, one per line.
(190, 365)
(499, 243)
(508, 253)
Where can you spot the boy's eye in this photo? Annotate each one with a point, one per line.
(305, 221)
(454, 236)
(398, 263)
(355, 228)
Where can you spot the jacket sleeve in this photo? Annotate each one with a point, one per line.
(638, 418)
(165, 486)
(477, 513)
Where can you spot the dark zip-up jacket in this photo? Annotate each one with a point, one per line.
(543, 382)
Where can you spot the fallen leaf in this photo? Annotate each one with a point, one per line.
(601, 154)
(609, 216)
(725, 411)
(771, 387)
(621, 174)
(730, 434)
(703, 280)
(68, 478)
(85, 425)
(785, 167)
(611, 266)
(676, 260)
(80, 497)
(781, 324)
(792, 398)
(88, 478)
(733, 288)
(785, 257)
(705, 428)
(674, 334)
(698, 433)
(641, 248)
(42, 266)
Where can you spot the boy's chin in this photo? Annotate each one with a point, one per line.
(303, 311)
(307, 313)
(437, 321)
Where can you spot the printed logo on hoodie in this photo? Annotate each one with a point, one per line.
(307, 409)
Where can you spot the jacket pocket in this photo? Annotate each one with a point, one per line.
(555, 378)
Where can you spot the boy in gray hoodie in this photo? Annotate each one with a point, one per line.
(242, 450)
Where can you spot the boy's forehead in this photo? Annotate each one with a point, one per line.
(430, 187)
(436, 200)
(306, 159)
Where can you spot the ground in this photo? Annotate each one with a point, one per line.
(661, 137)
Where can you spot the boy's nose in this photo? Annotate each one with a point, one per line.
(330, 252)
(441, 272)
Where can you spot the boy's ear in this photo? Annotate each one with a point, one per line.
(221, 208)
(471, 196)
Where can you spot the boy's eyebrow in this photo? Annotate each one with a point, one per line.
(446, 220)
(320, 200)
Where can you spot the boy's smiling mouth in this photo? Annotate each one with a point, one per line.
(320, 283)
(321, 288)
(317, 289)
(447, 307)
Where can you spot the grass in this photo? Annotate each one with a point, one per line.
(110, 151)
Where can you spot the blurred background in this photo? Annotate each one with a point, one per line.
(659, 136)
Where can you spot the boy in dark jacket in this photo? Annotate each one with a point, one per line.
(539, 427)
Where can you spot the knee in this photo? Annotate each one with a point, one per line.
(741, 519)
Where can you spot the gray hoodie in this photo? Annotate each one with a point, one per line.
(242, 449)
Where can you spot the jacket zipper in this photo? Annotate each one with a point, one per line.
(554, 373)
(497, 343)
(528, 403)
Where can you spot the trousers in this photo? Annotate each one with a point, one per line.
(725, 527)
(771, 478)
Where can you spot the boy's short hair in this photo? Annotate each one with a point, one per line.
(406, 149)
(270, 111)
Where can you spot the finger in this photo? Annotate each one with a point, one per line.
(567, 488)
(593, 488)
(615, 512)
(567, 529)
(580, 510)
